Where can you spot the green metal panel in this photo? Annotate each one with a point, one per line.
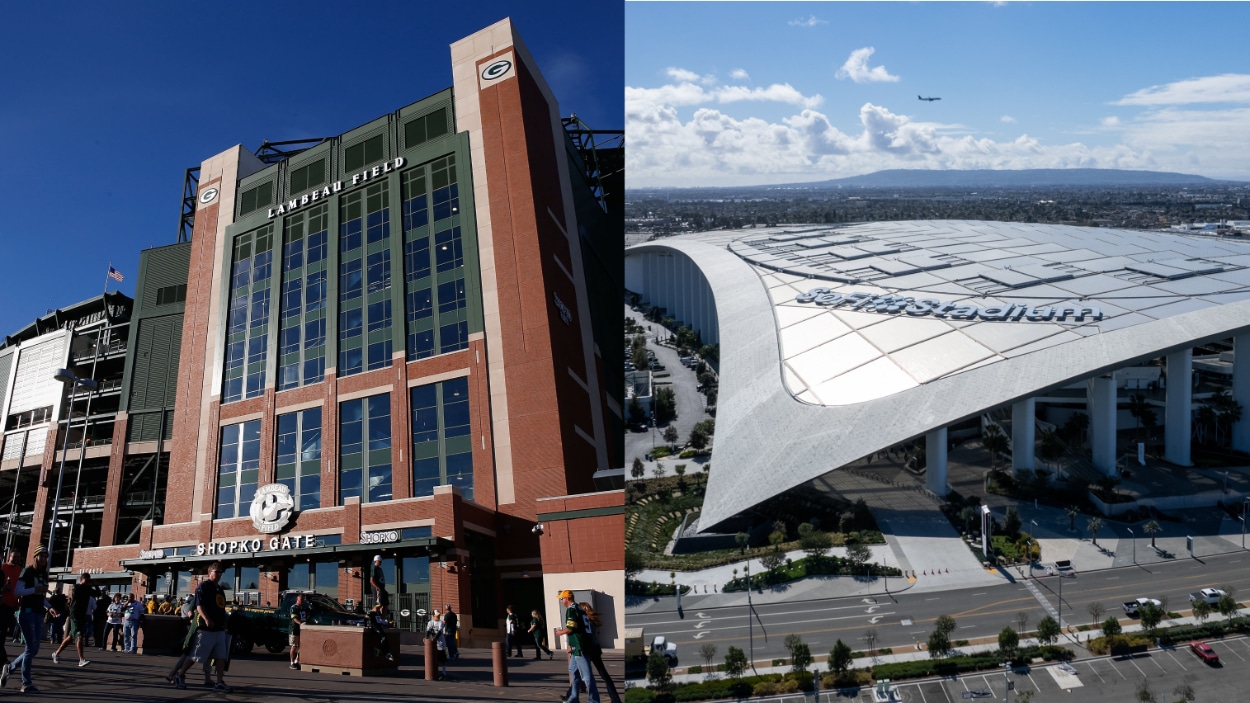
(154, 372)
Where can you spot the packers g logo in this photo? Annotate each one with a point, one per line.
(272, 508)
(496, 69)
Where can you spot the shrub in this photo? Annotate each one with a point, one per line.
(765, 688)
(639, 695)
(688, 454)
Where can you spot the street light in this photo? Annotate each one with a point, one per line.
(65, 376)
(1244, 503)
(1134, 538)
(750, 613)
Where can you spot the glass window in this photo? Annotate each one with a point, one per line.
(364, 448)
(238, 468)
(248, 318)
(299, 456)
(440, 412)
(327, 575)
(305, 177)
(366, 152)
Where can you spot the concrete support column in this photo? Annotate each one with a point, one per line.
(935, 459)
(1241, 390)
(1100, 399)
(1023, 434)
(1178, 413)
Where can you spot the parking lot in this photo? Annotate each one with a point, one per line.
(1105, 680)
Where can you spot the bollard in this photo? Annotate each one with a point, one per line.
(431, 660)
(499, 660)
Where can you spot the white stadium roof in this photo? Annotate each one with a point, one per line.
(878, 333)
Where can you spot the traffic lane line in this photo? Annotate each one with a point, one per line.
(1091, 668)
(1178, 662)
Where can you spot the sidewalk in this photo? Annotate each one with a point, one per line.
(125, 677)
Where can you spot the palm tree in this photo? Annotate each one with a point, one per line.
(1138, 408)
(1052, 447)
(1205, 416)
(1152, 528)
(1072, 512)
(1093, 525)
(995, 441)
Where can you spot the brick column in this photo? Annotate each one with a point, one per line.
(113, 487)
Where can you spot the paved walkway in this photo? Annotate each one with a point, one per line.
(126, 678)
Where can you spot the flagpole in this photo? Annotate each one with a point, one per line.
(106, 277)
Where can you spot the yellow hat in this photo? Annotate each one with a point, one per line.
(566, 593)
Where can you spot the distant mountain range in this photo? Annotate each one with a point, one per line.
(911, 178)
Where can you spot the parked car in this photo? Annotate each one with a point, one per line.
(1131, 607)
(1204, 652)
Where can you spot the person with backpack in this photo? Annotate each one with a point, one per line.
(512, 633)
(32, 590)
(578, 630)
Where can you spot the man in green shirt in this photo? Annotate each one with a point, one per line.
(576, 629)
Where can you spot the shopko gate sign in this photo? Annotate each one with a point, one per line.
(255, 545)
(892, 304)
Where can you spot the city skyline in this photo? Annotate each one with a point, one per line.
(722, 93)
(129, 96)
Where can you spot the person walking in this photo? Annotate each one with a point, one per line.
(32, 589)
(377, 579)
(451, 625)
(578, 631)
(81, 602)
(116, 617)
(11, 569)
(211, 640)
(512, 634)
(436, 631)
(299, 616)
(58, 608)
(134, 611)
(594, 652)
(538, 630)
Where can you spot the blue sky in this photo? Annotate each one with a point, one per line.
(729, 93)
(106, 104)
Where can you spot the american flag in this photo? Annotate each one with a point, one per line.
(115, 274)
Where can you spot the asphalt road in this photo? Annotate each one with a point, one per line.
(903, 619)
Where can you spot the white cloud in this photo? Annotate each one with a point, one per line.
(809, 22)
(739, 74)
(856, 68)
(1008, 119)
(684, 76)
(1112, 121)
(1226, 88)
(687, 94)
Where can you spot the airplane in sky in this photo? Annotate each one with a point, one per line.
(927, 99)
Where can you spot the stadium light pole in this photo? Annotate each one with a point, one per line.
(65, 376)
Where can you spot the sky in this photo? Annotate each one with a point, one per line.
(748, 93)
(104, 105)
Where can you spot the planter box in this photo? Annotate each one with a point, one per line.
(343, 649)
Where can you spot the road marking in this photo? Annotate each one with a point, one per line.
(869, 600)
(966, 627)
(978, 594)
(1091, 668)
(929, 599)
(700, 626)
(988, 687)
(1063, 679)
(1158, 665)
(923, 697)
(1130, 661)
(918, 632)
(1235, 654)
(1112, 578)
(871, 609)
(700, 635)
(1178, 662)
(945, 692)
(702, 615)
(875, 619)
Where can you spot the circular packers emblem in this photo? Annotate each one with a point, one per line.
(496, 69)
(208, 196)
(272, 508)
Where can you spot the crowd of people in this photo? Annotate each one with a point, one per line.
(88, 617)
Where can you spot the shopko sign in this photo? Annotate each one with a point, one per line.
(249, 546)
(893, 304)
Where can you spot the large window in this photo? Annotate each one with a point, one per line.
(238, 469)
(435, 299)
(247, 323)
(305, 177)
(302, 339)
(442, 448)
(364, 281)
(365, 449)
(299, 456)
(366, 152)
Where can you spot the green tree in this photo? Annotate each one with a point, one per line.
(1111, 627)
(995, 442)
(1138, 407)
(1151, 615)
(698, 437)
(735, 662)
(1072, 511)
(1152, 528)
(670, 434)
(658, 672)
(870, 639)
(1093, 525)
(633, 563)
(1184, 693)
(801, 657)
(858, 554)
(1202, 610)
(640, 359)
(1008, 640)
(638, 470)
(790, 642)
(1143, 694)
(840, 658)
(1227, 605)
(663, 405)
(742, 539)
(816, 543)
(1047, 630)
(636, 411)
(939, 644)
(1051, 448)
(944, 624)
(1012, 523)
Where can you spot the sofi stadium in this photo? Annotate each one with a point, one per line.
(839, 342)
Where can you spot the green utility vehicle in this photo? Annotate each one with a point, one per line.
(270, 627)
